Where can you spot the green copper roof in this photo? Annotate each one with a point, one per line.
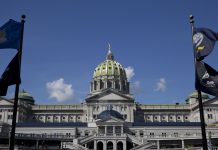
(109, 68)
(25, 96)
(195, 95)
(24, 93)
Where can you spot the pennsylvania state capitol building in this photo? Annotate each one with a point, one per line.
(109, 119)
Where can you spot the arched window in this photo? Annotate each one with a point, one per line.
(109, 145)
(120, 146)
(99, 146)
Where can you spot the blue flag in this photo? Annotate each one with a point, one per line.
(204, 40)
(10, 35)
(206, 78)
(11, 75)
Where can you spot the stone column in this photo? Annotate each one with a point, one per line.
(74, 118)
(121, 130)
(98, 85)
(61, 146)
(113, 84)
(129, 115)
(104, 145)
(95, 145)
(90, 90)
(183, 143)
(105, 130)
(114, 145)
(91, 112)
(124, 145)
(114, 132)
(37, 144)
(120, 85)
(158, 144)
(105, 83)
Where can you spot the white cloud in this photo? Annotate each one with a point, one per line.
(135, 88)
(161, 85)
(129, 72)
(59, 90)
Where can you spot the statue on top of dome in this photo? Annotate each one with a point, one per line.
(110, 55)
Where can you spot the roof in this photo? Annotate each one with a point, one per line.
(195, 95)
(167, 124)
(51, 124)
(109, 91)
(25, 96)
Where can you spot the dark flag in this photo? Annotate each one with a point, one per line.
(10, 76)
(206, 78)
(10, 35)
(204, 40)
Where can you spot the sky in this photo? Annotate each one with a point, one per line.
(65, 40)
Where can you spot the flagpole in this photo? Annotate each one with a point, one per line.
(12, 135)
(200, 104)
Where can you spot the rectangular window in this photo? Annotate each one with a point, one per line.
(10, 110)
(187, 133)
(209, 109)
(10, 116)
(210, 116)
(164, 134)
(151, 134)
(0, 117)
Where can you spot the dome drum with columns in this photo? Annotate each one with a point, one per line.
(109, 74)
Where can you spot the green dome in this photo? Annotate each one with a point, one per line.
(25, 96)
(109, 68)
(109, 74)
(195, 95)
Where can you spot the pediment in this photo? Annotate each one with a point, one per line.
(110, 95)
(5, 102)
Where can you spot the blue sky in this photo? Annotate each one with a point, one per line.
(65, 40)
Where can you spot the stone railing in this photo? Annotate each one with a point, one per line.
(166, 107)
(37, 136)
(86, 139)
(57, 107)
(111, 134)
(135, 139)
(179, 136)
(72, 146)
(144, 146)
